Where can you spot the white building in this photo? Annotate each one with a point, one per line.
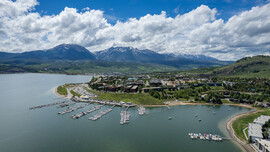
(254, 131)
(263, 145)
(85, 97)
(261, 120)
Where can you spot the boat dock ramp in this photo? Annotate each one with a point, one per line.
(209, 137)
(47, 105)
(68, 110)
(78, 115)
(100, 114)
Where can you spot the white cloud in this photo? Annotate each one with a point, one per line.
(13, 9)
(196, 32)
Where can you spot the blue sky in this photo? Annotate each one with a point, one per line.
(124, 9)
(223, 29)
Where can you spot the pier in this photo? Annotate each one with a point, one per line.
(65, 104)
(124, 117)
(47, 105)
(81, 114)
(209, 137)
(68, 110)
(100, 114)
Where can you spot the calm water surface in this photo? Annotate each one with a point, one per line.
(43, 130)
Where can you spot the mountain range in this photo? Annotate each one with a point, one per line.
(72, 56)
(119, 54)
(60, 52)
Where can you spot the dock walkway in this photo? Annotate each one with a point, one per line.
(81, 114)
(68, 110)
(205, 137)
(100, 114)
(47, 105)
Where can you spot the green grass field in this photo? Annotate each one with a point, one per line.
(62, 90)
(139, 98)
(75, 93)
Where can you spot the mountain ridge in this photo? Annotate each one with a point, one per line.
(256, 66)
(60, 52)
(121, 53)
(110, 57)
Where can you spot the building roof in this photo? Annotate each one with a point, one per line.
(262, 119)
(152, 88)
(155, 81)
(134, 87)
(265, 143)
(255, 130)
(84, 96)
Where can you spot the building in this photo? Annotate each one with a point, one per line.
(134, 89)
(155, 82)
(263, 145)
(133, 79)
(255, 128)
(85, 97)
(261, 120)
(145, 90)
(254, 131)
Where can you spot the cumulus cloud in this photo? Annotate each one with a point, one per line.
(13, 9)
(196, 32)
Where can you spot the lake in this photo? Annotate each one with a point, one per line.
(43, 130)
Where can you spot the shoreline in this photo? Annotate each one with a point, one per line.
(197, 103)
(230, 130)
(229, 122)
(55, 91)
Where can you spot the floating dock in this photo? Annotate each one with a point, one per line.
(68, 110)
(47, 105)
(100, 114)
(209, 137)
(79, 115)
(65, 104)
(124, 117)
(141, 110)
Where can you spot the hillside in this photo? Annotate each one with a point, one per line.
(257, 66)
(79, 67)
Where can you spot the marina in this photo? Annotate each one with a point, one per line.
(201, 136)
(100, 114)
(76, 116)
(141, 110)
(68, 110)
(124, 117)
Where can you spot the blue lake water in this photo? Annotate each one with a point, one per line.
(43, 130)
